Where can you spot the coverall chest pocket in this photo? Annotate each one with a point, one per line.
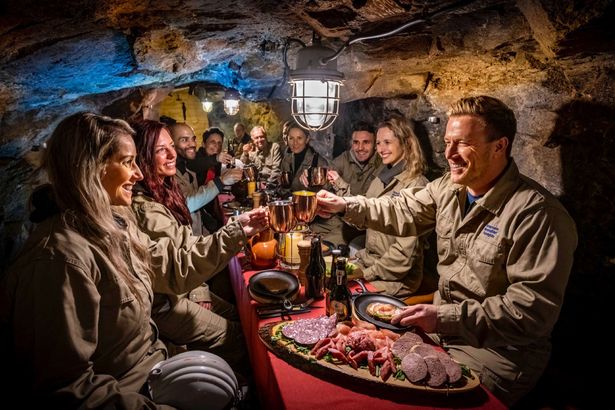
(487, 262)
(444, 233)
(116, 299)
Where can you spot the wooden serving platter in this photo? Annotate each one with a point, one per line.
(301, 358)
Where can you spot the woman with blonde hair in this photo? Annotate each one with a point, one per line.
(394, 264)
(75, 306)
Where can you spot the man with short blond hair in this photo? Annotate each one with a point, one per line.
(505, 248)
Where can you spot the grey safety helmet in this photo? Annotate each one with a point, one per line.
(194, 380)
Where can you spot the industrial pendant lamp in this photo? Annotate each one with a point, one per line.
(200, 92)
(231, 102)
(315, 82)
(315, 93)
(207, 105)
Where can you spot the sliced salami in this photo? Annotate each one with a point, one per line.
(437, 373)
(309, 331)
(424, 350)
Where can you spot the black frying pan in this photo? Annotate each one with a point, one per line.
(275, 285)
(361, 301)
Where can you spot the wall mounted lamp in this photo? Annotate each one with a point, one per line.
(231, 102)
(315, 82)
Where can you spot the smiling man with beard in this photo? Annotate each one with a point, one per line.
(197, 196)
(505, 249)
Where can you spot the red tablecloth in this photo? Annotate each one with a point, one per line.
(282, 386)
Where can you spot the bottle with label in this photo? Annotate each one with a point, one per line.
(339, 299)
(315, 272)
(330, 278)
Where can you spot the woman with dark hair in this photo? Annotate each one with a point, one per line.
(75, 306)
(198, 319)
(301, 156)
(209, 158)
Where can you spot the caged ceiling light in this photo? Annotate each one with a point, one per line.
(231, 102)
(315, 82)
(199, 91)
(315, 87)
(207, 105)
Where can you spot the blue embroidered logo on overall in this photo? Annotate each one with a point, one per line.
(395, 193)
(490, 231)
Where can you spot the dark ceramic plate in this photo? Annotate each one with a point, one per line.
(276, 284)
(362, 301)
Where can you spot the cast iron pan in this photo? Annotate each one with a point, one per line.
(362, 300)
(275, 285)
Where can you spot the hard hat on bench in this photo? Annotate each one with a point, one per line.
(194, 380)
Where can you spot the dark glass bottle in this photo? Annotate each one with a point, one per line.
(330, 278)
(315, 272)
(339, 299)
(231, 148)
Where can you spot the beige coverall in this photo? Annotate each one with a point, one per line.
(503, 270)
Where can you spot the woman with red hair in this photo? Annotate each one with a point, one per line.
(198, 319)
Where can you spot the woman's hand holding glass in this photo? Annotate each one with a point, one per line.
(304, 178)
(332, 176)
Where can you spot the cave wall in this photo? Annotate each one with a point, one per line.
(552, 62)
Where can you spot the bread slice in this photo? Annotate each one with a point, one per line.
(382, 311)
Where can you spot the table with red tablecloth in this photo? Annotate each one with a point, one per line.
(282, 386)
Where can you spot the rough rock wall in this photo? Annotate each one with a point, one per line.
(552, 61)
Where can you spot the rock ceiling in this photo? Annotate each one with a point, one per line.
(54, 52)
(62, 56)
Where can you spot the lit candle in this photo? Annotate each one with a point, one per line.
(291, 247)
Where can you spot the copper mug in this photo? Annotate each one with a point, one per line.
(250, 172)
(285, 179)
(317, 176)
(282, 216)
(305, 206)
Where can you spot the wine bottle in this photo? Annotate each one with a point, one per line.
(339, 299)
(315, 272)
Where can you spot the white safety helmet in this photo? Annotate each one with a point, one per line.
(194, 380)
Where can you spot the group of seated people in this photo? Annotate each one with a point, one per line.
(122, 258)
